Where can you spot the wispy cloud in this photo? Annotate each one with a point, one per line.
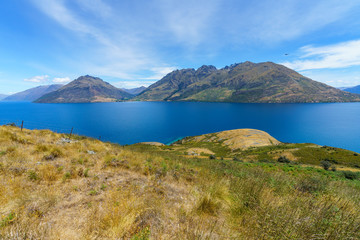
(159, 72)
(133, 84)
(272, 22)
(46, 79)
(96, 7)
(335, 77)
(61, 80)
(37, 79)
(118, 51)
(188, 21)
(340, 55)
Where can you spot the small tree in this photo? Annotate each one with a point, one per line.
(326, 165)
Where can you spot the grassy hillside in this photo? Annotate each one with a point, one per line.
(246, 82)
(53, 186)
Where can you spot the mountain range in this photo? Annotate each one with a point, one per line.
(2, 96)
(32, 94)
(355, 89)
(246, 82)
(85, 89)
(134, 91)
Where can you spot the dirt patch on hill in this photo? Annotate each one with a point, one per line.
(198, 151)
(153, 143)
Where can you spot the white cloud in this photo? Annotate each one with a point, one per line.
(62, 80)
(46, 78)
(341, 55)
(37, 79)
(159, 72)
(335, 77)
(133, 84)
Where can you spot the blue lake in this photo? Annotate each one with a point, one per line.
(333, 124)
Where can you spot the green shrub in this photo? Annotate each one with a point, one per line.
(283, 159)
(325, 164)
(350, 175)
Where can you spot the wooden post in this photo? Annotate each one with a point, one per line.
(71, 131)
(22, 125)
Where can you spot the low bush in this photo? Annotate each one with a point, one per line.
(283, 159)
(350, 175)
(325, 164)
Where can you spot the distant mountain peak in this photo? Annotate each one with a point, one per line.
(355, 89)
(88, 78)
(85, 89)
(32, 94)
(205, 70)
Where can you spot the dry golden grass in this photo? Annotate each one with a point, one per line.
(55, 188)
(52, 187)
(237, 139)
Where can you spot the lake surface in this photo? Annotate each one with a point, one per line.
(332, 124)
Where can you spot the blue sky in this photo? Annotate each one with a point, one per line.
(133, 43)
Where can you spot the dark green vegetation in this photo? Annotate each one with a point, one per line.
(245, 82)
(85, 89)
(33, 93)
(355, 89)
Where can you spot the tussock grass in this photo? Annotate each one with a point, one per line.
(52, 187)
